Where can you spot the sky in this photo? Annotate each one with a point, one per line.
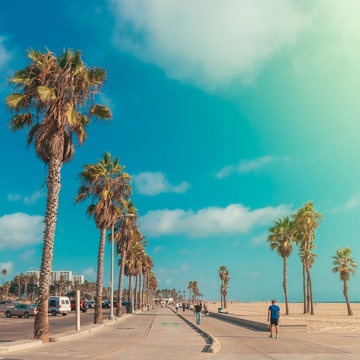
(227, 114)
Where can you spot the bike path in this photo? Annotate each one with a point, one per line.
(157, 334)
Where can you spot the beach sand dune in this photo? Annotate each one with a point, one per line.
(329, 317)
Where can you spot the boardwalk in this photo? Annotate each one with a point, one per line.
(252, 344)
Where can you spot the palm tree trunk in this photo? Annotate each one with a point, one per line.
(25, 290)
(148, 288)
(135, 293)
(41, 324)
(285, 286)
(225, 303)
(345, 292)
(140, 290)
(130, 299)
(307, 290)
(310, 291)
(19, 290)
(143, 289)
(304, 288)
(121, 280)
(99, 280)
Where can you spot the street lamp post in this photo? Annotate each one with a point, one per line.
(111, 317)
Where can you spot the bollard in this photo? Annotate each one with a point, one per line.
(77, 307)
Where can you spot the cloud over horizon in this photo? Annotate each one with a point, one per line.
(247, 166)
(154, 183)
(232, 219)
(18, 230)
(214, 43)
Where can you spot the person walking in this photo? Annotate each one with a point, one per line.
(274, 317)
(198, 309)
(177, 307)
(184, 307)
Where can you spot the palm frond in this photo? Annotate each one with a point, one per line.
(15, 101)
(101, 112)
(20, 121)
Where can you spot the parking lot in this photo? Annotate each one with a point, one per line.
(16, 328)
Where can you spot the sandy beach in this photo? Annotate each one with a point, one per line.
(329, 317)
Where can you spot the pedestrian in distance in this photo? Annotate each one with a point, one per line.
(184, 307)
(198, 309)
(274, 317)
(177, 307)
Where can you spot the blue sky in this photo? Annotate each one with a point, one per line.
(225, 118)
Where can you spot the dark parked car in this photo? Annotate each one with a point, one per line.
(83, 305)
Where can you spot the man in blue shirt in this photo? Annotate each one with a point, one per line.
(273, 317)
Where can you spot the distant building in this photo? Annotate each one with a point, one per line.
(79, 278)
(65, 274)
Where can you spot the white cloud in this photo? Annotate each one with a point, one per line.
(168, 281)
(9, 266)
(255, 274)
(185, 267)
(5, 54)
(157, 249)
(247, 166)
(209, 43)
(154, 183)
(19, 230)
(27, 255)
(27, 199)
(89, 273)
(257, 240)
(233, 219)
(351, 204)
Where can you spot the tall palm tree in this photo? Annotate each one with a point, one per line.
(281, 239)
(108, 187)
(222, 271)
(4, 272)
(125, 229)
(306, 221)
(190, 287)
(226, 286)
(6, 287)
(54, 97)
(344, 265)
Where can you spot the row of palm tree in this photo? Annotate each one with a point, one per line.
(55, 98)
(194, 292)
(225, 278)
(299, 229)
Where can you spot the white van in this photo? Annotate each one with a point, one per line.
(59, 305)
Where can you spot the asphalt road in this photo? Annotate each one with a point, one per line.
(16, 328)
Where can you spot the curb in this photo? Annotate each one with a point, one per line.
(215, 344)
(255, 324)
(19, 345)
(68, 335)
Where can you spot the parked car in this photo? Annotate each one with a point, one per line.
(83, 305)
(22, 310)
(91, 304)
(5, 302)
(124, 303)
(59, 305)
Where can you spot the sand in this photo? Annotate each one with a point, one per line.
(329, 317)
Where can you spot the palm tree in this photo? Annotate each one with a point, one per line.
(4, 272)
(54, 97)
(222, 271)
(226, 286)
(124, 233)
(107, 185)
(344, 265)
(306, 221)
(6, 287)
(190, 287)
(281, 239)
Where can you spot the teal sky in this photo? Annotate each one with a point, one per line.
(227, 114)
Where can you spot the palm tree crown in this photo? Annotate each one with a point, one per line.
(54, 97)
(344, 263)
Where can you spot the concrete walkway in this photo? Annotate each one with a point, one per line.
(238, 341)
(157, 334)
